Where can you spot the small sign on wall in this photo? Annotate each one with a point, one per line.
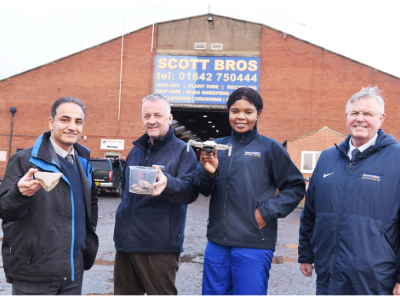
(108, 144)
(3, 155)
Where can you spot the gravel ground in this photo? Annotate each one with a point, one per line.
(285, 276)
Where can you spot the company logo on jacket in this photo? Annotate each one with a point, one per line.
(371, 177)
(161, 167)
(249, 153)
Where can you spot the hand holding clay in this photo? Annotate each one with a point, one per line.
(27, 185)
(161, 183)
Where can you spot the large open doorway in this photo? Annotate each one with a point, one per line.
(200, 125)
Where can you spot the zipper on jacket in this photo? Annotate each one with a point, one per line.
(130, 214)
(226, 197)
(242, 139)
(337, 228)
(10, 249)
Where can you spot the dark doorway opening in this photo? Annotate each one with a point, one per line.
(200, 125)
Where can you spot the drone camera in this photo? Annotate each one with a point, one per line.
(209, 146)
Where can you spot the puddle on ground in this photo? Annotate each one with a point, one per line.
(281, 259)
(189, 259)
(103, 262)
(98, 294)
(293, 246)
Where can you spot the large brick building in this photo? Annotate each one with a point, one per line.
(304, 87)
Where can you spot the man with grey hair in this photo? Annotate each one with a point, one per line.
(350, 224)
(149, 229)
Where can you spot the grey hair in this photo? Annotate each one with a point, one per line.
(368, 92)
(154, 97)
(66, 100)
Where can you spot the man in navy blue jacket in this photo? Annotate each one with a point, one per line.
(149, 229)
(350, 225)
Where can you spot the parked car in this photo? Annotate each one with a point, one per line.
(107, 174)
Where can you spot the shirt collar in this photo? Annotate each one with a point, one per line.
(60, 151)
(362, 148)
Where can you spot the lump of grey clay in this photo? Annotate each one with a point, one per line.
(144, 184)
(144, 188)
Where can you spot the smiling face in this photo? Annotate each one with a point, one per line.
(67, 125)
(156, 119)
(243, 116)
(363, 128)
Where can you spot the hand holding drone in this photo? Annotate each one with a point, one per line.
(209, 146)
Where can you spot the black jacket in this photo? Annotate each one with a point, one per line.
(246, 180)
(147, 224)
(38, 230)
(350, 224)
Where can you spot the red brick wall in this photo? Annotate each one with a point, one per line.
(318, 141)
(305, 88)
(92, 76)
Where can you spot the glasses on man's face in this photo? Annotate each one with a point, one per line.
(366, 115)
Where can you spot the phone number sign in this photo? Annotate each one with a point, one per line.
(204, 79)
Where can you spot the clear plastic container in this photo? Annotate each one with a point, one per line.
(141, 179)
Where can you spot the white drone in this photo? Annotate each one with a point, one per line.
(209, 146)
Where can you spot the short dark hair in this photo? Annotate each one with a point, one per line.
(247, 94)
(66, 100)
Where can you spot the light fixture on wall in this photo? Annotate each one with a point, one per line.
(12, 111)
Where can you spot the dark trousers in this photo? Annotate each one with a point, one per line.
(138, 273)
(62, 287)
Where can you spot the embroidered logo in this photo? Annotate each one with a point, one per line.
(327, 174)
(371, 177)
(249, 153)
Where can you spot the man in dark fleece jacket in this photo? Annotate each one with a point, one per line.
(350, 225)
(149, 229)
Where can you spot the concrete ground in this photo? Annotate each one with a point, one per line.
(285, 276)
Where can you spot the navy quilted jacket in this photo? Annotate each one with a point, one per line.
(350, 223)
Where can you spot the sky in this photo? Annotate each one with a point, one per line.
(33, 33)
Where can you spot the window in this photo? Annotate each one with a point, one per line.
(112, 154)
(309, 160)
(216, 46)
(100, 164)
(200, 46)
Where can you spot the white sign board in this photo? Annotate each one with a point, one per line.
(3, 155)
(107, 144)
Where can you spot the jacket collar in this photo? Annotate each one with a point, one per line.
(158, 143)
(41, 149)
(382, 141)
(244, 138)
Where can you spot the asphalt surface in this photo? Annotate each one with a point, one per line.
(285, 276)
